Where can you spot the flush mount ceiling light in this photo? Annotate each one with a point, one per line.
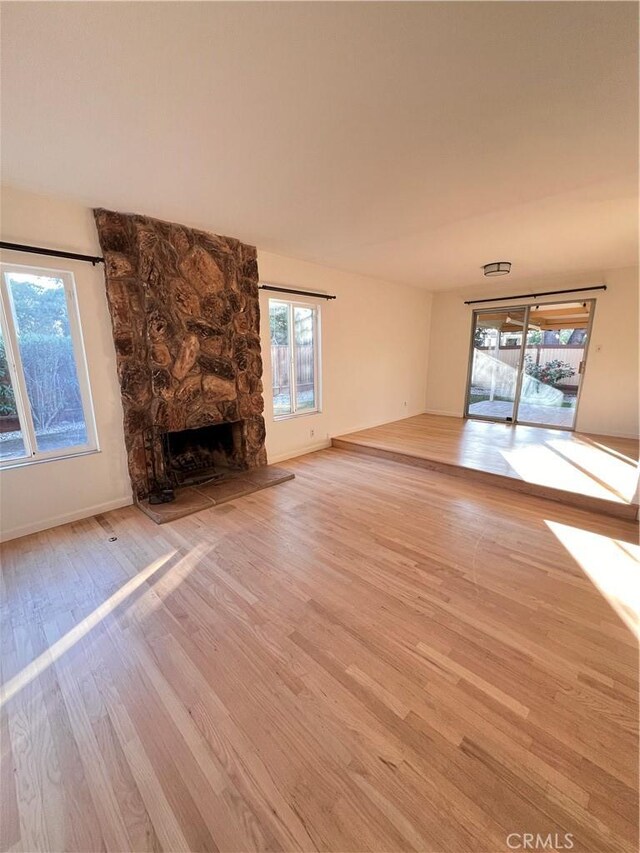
(497, 268)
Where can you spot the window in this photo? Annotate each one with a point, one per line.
(294, 357)
(45, 402)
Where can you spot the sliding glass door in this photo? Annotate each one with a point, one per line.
(496, 364)
(554, 363)
(527, 363)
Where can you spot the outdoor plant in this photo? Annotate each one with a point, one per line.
(47, 357)
(549, 373)
(51, 380)
(7, 399)
(480, 337)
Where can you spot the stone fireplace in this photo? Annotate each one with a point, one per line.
(186, 327)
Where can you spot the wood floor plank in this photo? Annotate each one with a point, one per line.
(107, 807)
(594, 472)
(372, 656)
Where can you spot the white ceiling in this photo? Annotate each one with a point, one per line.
(407, 141)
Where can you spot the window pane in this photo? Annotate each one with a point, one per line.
(304, 323)
(280, 357)
(11, 443)
(48, 361)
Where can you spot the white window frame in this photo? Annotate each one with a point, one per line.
(293, 384)
(7, 321)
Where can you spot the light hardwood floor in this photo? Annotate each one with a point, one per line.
(364, 658)
(593, 472)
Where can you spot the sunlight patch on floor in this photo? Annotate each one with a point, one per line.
(67, 641)
(612, 451)
(542, 465)
(619, 475)
(169, 582)
(612, 566)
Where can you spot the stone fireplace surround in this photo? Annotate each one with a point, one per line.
(186, 327)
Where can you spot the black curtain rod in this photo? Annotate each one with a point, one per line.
(295, 292)
(535, 295)
(52, 253)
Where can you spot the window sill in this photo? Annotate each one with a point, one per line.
(10, 464)
(293, 415)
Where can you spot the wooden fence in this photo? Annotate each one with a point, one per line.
(280, 358)
(572, 354)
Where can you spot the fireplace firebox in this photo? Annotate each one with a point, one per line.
(195, 456)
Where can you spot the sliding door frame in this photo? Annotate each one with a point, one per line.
(518, 389)
(581, 371)
(516, 392)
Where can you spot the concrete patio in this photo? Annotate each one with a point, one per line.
(561, 416)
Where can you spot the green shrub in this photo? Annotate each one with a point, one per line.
(50, 376)
(7, 398)
(549, 373)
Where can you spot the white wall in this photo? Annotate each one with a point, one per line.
(33, 497)
(375, 339)
(609, 399)
(374, 359)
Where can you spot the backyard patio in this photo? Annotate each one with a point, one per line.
(549, 382)
(561, 416)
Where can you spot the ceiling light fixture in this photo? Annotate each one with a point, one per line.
(497, 268)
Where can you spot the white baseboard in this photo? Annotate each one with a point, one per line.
(444, 414)
(65, 518)
(292, 454)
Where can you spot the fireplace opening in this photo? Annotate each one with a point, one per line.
(196, 456)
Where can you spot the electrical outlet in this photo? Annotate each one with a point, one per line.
(312, 432)
(405, 404)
